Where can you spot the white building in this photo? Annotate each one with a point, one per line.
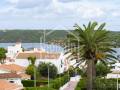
(13, 68)
(15, 55)
(115, 71)
(6, 85)
(13, 73)
(13, 50)
(41, 56)
(11, 77)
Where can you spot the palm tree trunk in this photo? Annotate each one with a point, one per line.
(90, 72)
(94, 70)
(94, 73)
(34, 76)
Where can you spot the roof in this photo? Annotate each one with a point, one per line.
(12, 67)
(24, 76)
(9, 75)
(5, 85)
(38, 55)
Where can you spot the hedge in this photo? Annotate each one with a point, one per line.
(30, 83)
(39, 88)
(54, 84)
(57, 83)
(99, 84)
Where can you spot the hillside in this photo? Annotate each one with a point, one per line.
(27, 36)
(34, 36)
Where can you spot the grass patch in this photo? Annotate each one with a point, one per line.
(99, 84)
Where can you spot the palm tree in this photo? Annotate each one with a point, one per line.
(32, 62)
(2, 55)
(90, 44)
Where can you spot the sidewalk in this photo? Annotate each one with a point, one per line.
(71, 85)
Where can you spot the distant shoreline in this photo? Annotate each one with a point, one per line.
(47, 47)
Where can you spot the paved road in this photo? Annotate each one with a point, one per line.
(71, 85)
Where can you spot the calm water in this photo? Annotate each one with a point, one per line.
(47, 47)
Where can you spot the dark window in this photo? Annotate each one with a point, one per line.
(11, 81)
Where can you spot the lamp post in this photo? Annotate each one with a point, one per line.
(117, 82)
(34, 77)
(118, 57)
(44, 33)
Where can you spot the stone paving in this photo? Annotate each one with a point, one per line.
(71, 85)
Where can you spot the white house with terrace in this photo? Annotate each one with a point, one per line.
(13, 50)
(16, 55)
(13, 73)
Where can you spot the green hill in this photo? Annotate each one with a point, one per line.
(27, 36)
(34, 36)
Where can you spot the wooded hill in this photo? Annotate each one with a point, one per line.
(34, 36)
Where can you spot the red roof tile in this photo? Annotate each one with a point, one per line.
(9, 75)
(5, 85)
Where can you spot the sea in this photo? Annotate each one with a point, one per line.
(28, 46)
(47, 47)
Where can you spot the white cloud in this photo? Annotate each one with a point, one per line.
(63, 8)
(13, 1)
(89, 10)
(116, 14)
(66, 12)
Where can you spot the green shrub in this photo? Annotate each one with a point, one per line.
(71, 71)
(30, 70)
(102, 69)
(99, 84)
(57, 83)
(81, 84)
(39, 88)
(105, 84)
(54, 84)
(30, 83)
(43, 70)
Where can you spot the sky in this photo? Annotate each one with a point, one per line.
(58, 14)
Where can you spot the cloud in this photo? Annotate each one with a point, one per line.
(88, 10)
(116, 13)
(13, 1)
(68, 0)
(64, 12)
(22, 4)
(64, 8)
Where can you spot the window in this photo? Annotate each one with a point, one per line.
(11, 81)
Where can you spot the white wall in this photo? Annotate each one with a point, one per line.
(25, 63)
(13, 50)
(4, 71)
(56, 62)
(110, 75)
(15, 80)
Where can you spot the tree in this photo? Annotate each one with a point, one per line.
(2, 55)
(75, 71)
(43, 70)
(32, 60)
(71, 71)
(91, 45)
(32, 68)
(102, 69)
(30, 71)
(79, 71)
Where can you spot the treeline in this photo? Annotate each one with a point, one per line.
(52, 36)
(115, 38)
(31, 36)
